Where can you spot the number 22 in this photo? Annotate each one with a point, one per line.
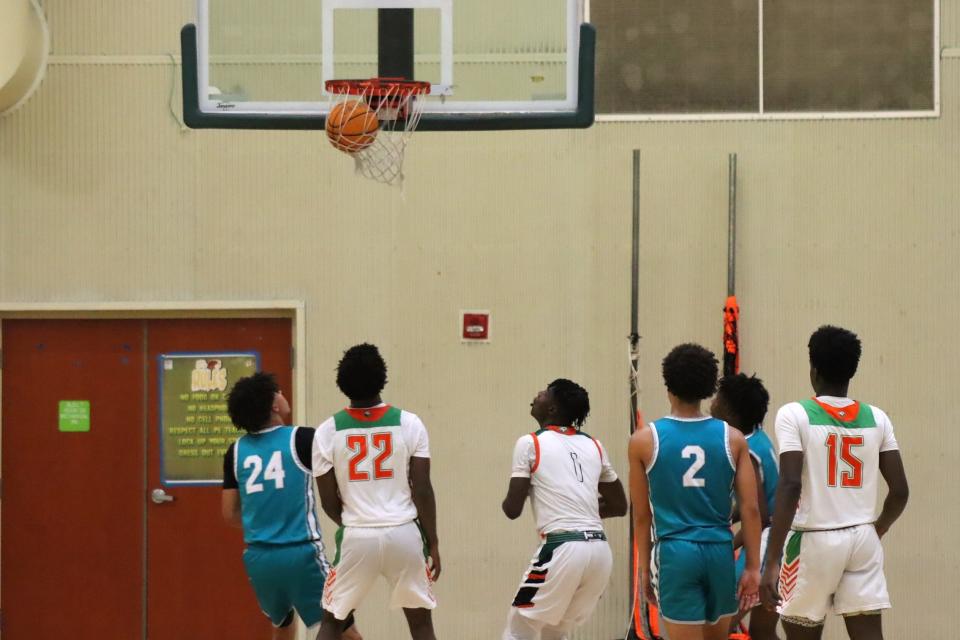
(360, 445)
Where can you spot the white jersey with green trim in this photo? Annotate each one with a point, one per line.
(369, 450)
(565, 467)
(841, 441)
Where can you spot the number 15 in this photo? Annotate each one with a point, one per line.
(852, 478)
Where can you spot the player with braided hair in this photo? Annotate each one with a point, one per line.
(563, 470)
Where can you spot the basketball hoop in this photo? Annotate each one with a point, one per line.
(377, 146)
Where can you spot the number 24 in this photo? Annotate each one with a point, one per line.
(273, 472)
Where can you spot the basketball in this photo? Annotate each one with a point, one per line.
(352, 126)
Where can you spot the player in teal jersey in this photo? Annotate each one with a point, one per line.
(742, 402)
(268, 492)
(683, 472)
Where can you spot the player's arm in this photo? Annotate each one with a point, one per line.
(790, 440)
(322, 467)
(613, 500)
(898, 491)
(639, 452)
(526, 459)
(426, 503)
(230, 497)
(761, 503)
(330, 498)
(784, 508)
(517, 493)
(230, 507)
(745, 484)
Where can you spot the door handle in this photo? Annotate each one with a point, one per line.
(159, 496)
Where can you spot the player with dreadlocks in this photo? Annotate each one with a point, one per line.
(562, 469)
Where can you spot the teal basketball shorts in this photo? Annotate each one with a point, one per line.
(695, 581)
(287, 578)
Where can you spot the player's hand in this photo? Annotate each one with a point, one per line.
(434, 565)
(769, 589)
(648, 591)
(748, 590)
(881, 531)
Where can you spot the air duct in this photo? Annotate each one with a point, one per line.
(24, 47)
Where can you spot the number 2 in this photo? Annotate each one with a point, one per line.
(852, 478)
(359, 445)
(699, 459)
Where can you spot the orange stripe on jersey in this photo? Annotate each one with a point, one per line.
(368, 415)
(841, 414)
(536, 450)
(599, 450)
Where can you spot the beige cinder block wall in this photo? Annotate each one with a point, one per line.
(104, 197)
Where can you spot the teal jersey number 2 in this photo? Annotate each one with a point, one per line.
(691, 480)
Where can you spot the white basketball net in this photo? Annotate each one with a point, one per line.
(398, 111)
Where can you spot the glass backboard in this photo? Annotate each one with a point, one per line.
(492, 64)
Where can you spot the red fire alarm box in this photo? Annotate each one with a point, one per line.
(475, 326)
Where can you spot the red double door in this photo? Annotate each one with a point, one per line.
(86, 553)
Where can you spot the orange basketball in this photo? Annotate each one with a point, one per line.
(352, 126)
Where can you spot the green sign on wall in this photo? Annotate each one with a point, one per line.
(74, 415)
(195, 428)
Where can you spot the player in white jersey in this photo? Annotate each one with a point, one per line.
(832, 452)
(373, 466)
(563, 471)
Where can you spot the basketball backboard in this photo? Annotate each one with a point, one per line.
(492, 64)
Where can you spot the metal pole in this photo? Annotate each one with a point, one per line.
(635, 261)
(732, 226)
(634, 368)
(635, 295)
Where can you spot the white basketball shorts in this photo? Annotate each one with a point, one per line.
(839, 570)
(366, 553)
(560, 589)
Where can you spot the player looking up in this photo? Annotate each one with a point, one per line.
(563, 470)
(373, 466)
(268, 491)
